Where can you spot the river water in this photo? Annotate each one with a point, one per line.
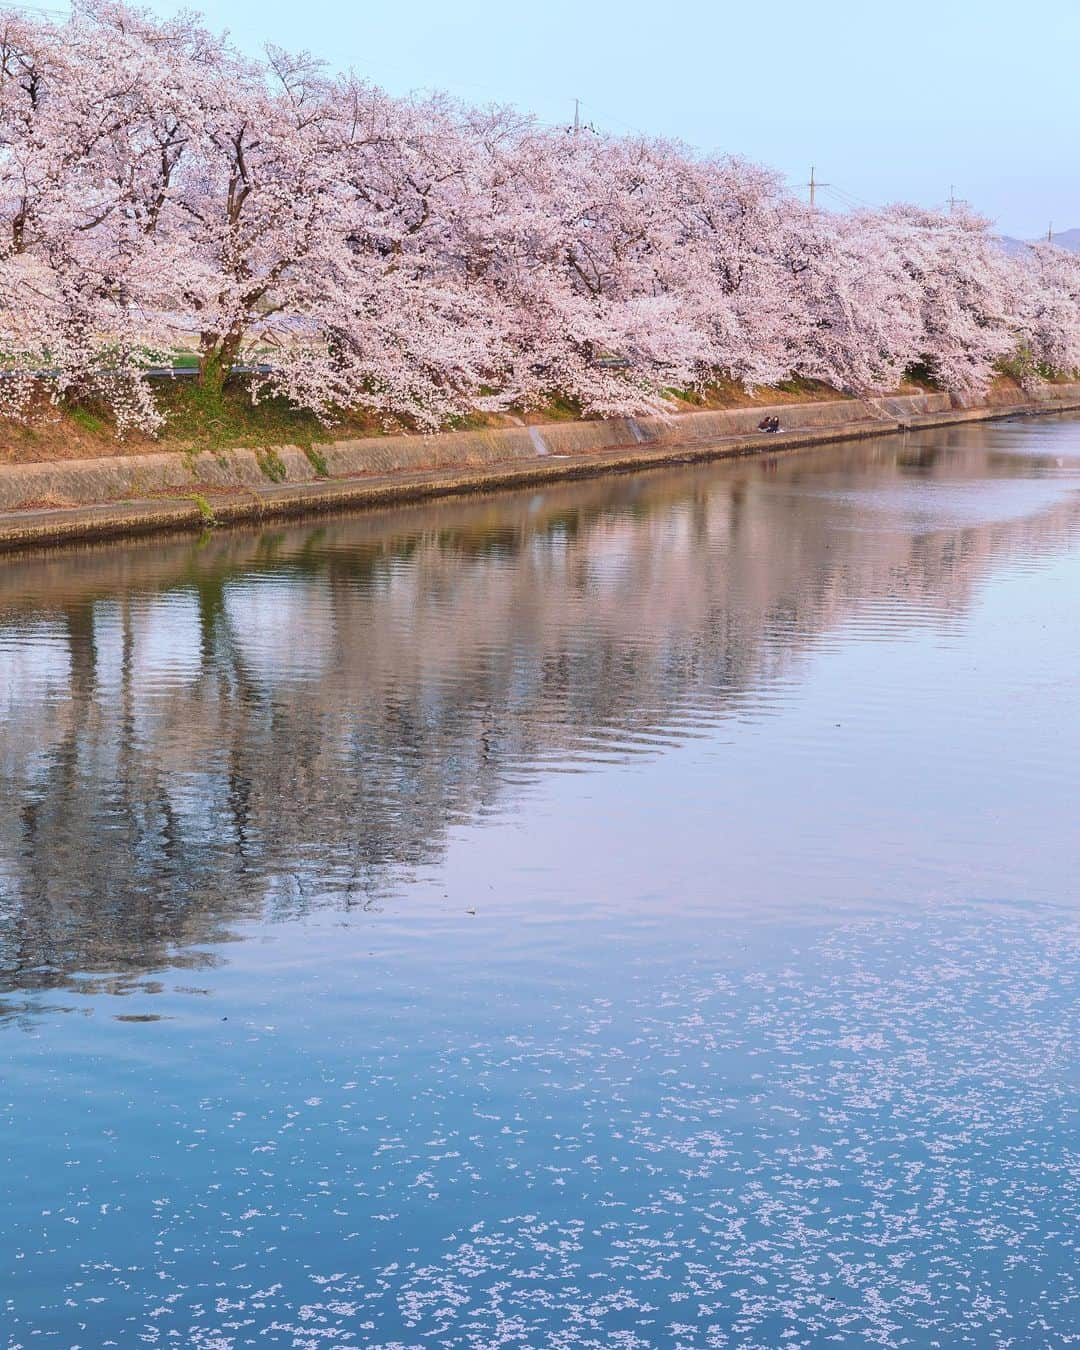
(637, 913)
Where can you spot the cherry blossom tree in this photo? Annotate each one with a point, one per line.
(391, 316)
(89, 132)
(964, 284)
(1048, 310)
(855, 322)
(423, 259)
(572, 241)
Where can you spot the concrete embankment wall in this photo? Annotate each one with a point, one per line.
(119, 478)
(137, 493)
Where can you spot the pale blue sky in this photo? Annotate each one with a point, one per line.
(889, 101)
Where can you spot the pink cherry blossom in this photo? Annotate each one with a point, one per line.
(423, 259)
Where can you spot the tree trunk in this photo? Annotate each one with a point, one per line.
(217, 355)
(212, 369)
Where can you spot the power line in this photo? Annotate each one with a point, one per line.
(607, 118)
(845, 198)
(34, 9)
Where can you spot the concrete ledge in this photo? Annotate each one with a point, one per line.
(131, 477)
(134, 495)
(28, 528)
(993, 412)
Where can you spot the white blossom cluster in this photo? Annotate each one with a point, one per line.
(424, 259)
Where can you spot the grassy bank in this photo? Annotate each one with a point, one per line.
(197, 421)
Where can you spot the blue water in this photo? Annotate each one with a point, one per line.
(641, 913)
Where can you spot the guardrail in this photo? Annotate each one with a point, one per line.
(151, 373)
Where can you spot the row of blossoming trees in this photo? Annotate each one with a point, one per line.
(424, 259)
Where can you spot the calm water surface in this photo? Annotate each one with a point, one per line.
(638, 913)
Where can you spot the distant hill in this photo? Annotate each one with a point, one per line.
(1069, 239)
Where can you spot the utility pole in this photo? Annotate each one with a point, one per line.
(952, 197)
(1050, 233)
(813, 185)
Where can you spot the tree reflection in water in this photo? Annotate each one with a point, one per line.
(257, 723)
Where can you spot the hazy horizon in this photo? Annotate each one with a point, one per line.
(887, 110)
